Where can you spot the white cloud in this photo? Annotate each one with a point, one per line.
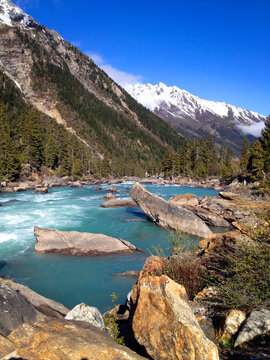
(254, 129)
(119, 76)
(98, 59)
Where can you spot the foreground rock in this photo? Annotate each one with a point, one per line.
(14, 310)
(164, 323)
(185, 199)
(62, 339)
(256, 325)
(76, 243)
(44, 305)
(119, 203)
(6, 347)
(83, 312)
(234, 319)
(168, 215)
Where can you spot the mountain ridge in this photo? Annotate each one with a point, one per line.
(61, 82)
(194, 116)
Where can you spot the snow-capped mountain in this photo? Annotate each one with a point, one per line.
(194, 116)
(12, 15)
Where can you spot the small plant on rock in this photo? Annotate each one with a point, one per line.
(111, 323)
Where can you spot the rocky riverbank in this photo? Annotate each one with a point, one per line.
(54, 181)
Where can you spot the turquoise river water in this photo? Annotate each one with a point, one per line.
(70, 279)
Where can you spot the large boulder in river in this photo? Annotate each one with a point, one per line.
(63, 339)
(164, 323)
(76, 243)
(168, 215)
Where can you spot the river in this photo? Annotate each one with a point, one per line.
(70, 279)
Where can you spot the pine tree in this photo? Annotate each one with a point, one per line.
(9, 163)
(50, 152)
(106, 167)
(265, 141)
(213, 167)
(256, 161)
(168, 162)
(77, 168)
(244, 155)
(32, 140)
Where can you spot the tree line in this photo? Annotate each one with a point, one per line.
(201, 159)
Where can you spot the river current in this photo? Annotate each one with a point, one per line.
(70, 279)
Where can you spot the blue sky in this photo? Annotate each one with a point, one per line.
(216, 49)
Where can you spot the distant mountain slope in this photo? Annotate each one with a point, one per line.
(192, 116)
(61, 82)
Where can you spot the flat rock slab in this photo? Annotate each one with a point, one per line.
(69, 340)
(208, 217)
(119, 203)
(167, 215)
(44, 305)
(76, 243)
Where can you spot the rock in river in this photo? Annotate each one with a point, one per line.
(76, 243)
(113, 203)
(168, 215)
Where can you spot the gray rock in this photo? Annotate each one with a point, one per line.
(41, 190)
(46, 306)
(208, 217)
(83, 312)
(76, 243)
(113, 189)
(167, 215)
(76, 184)
(14, 310)
(185, 199)
(229, 195)
(257, 324)
(131, 273)
(109, 196)
(119, 203)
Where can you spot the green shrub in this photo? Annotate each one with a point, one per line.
(247, 283)
(111, 322)
(182, 266)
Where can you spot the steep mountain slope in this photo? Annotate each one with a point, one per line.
(192, 116)
(61, 82)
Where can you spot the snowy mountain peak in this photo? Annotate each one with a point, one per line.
(180, 103)
(12, 15)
